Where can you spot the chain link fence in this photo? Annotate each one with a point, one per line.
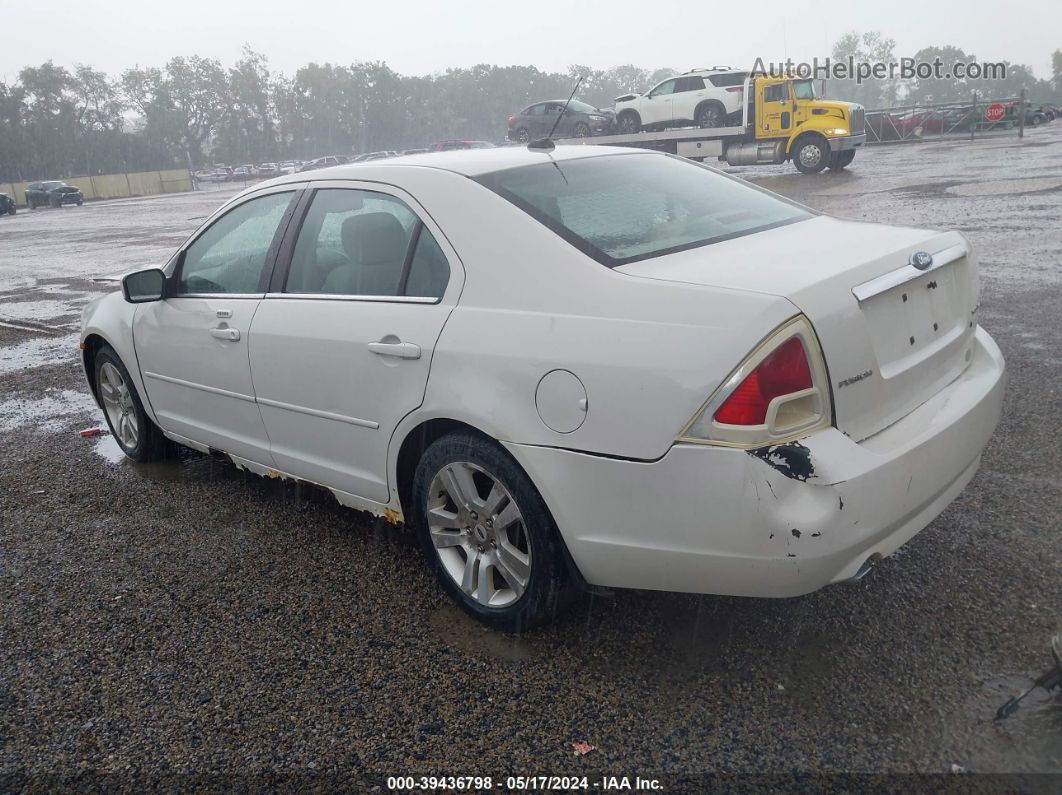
(979, 116)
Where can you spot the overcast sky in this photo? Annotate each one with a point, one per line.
(419, 37)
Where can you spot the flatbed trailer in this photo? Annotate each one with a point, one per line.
(777, 124)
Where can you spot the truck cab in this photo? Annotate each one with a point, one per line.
(814, 133)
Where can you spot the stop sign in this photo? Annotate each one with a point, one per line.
(995, 112)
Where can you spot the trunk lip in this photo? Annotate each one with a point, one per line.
(908, 272)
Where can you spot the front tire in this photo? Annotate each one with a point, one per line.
(629, 123)
(581, 130)
(486, 533)
(137, 436)
(839, 160)
(811, 154)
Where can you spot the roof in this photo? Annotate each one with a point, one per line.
(469, 162)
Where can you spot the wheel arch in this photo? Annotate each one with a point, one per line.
(109, 321)
(800, 136)
(709, 101)
(90, 347)
(418, 438)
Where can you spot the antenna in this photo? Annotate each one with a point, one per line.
(547, 142)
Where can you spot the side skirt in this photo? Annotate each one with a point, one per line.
(346, 499)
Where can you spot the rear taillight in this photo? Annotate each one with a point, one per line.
(780, 392)
(512, 120)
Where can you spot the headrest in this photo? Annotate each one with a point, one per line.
(374, 239)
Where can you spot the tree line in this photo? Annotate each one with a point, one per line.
(193, 111)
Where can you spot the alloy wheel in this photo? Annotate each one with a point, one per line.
(709, 116)
(119, 406)
(479, 534)
(810, 155)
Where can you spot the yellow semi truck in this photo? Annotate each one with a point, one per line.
(782, 119)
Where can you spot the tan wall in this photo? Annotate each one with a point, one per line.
(116, 186)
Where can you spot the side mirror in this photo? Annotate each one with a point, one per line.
(144, 286)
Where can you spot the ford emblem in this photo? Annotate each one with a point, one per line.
(921, 260)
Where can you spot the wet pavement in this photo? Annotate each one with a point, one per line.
(188, 618)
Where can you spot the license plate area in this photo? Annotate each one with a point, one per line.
(912, 321)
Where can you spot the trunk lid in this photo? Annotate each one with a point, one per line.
(892, 335)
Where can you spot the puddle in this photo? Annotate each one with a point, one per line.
(37, 310)
(1005, 187)
(186, 465)
(453, 627)
(57, 410)
(108, 449)
(39, 352)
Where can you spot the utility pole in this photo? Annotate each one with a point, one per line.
(1021, 116)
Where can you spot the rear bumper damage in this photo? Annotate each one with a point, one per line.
(773, 522)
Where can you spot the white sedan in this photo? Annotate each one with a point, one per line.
(568, 368)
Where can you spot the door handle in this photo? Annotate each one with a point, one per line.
(231, 334)
(402, 350)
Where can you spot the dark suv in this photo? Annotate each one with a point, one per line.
(7, 205)
(52, 193)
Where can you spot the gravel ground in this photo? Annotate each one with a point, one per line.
(186, 618)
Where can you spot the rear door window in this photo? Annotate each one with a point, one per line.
(365, 243)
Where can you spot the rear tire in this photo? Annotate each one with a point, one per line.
(487, 534)
(811, 154)
(522, 135)
(710, 114)
(136, 435)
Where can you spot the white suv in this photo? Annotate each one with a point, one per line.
(704, 97)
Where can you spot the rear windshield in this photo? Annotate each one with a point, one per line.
(625, 208)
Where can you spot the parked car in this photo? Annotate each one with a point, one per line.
(451, 145)
(244, 173)
(948, 120)
(223, 173)
(413, 151)
(53, 193)
(1034, 115)
(580, 120)
(727, 394)
(375, 156)
(7, 205)
(288, 167)
(320, 162)
(702, 97)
